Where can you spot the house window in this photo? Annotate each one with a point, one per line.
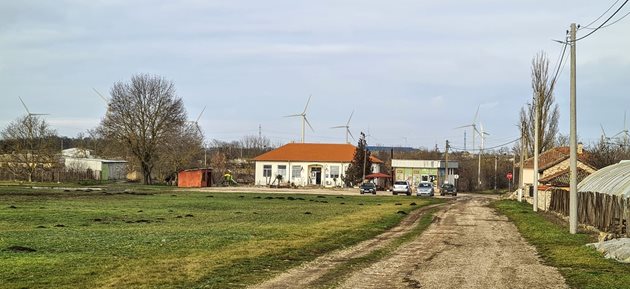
(334, 172)
(267, 171)
(282, 170)
(296, 172)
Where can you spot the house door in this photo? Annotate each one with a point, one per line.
(316, 175)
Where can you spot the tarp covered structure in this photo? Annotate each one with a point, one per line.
(611, 180)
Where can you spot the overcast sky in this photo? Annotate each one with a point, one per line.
(410, 70)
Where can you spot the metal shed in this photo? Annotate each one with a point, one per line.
(194, 178)
(611, 180)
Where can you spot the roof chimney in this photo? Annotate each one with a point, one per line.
(580, 148)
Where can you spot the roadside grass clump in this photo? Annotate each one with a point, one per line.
(150, 239)
(581, 266)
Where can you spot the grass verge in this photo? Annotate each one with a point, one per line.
(582, 267)
(157, 238)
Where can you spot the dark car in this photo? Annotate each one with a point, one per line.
(448, 189)
(367, 188)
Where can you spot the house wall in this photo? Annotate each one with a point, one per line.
(116, 171)
(564, 165)
(305, 177)
(416, 171)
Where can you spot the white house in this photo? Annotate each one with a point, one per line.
(305, 164)
(81, 160)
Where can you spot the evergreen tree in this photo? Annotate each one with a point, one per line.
(361, 163)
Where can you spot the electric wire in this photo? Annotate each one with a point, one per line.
(612, 23)
(490, 148)
(603, 23)
(560, 61)
(600, 16)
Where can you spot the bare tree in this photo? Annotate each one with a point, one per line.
(182, 150)
(30, 145)
(549, 115)
(605, 153)
(143, 114)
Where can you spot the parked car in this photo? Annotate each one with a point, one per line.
(425, 189)
(402, 187)
(448, 189)
(367, 188)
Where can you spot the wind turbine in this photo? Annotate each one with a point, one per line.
(604, 137)
(347, 127)
(28, 111)
(482, 135)
(623, 134)
(196, 122)
(474, 127)
(304, 119)
(105, 99)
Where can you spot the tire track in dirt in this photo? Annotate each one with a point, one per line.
(307, 274)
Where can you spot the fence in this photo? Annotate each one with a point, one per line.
(608, 213)
(52, 175)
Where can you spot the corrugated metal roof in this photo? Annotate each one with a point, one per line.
(612, 180)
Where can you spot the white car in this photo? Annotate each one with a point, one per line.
(401, 187)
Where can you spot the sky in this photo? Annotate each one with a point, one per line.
(411, 71)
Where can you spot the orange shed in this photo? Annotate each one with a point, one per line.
(194, 178)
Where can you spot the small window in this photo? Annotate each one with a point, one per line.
(267, 171)
(282, 170)
(296, 172)
(334, 172)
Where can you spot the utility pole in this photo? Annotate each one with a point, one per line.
(573, 141)
(520, 168)
(446, 164)
(496, 159)
(536, 136)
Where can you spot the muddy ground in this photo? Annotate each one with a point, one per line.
(468, 246)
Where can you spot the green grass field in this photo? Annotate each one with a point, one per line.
(169, 239)
(582, 267)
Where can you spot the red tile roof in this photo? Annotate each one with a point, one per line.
(554, 156)
(312, 152)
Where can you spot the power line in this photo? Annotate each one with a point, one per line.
(603, 23)
(612, 23)
(600, 16)
(555, 77)
(489, 148)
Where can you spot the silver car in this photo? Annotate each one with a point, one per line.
(401, 187)
(425, 189)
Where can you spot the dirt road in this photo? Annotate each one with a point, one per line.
(468, 246)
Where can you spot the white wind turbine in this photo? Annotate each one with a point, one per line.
(482, 135)
(604, 137)
(474, 127)
(623, 135)
(196, 121)
(304, 119)
(347, 127)
(28, 111)
(105, 99)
